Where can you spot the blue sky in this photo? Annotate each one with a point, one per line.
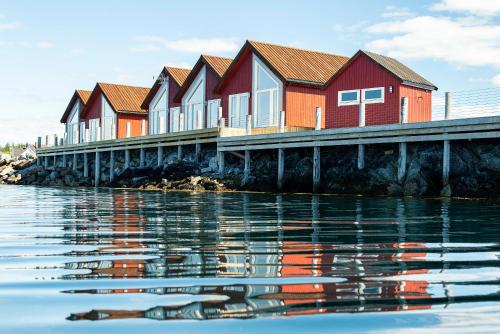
(48, 48)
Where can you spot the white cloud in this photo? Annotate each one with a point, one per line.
(393, 11)
(44, 45)
(192, 45)
(462, 42)
(9, 25)
(496, 80)
(476, 7)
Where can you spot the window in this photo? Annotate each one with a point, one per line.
(127, 130)
(348, 97)
(194, 103)
(108, 121)
(373, 95)
(158, 112)
(267, 89)
(174, 119)
(238, 110)
(94, 129)
(213, 113)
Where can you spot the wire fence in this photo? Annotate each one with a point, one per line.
(467, 104)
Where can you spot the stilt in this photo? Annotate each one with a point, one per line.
(197, 152)
(75, 161)
(127, 158)
(159, 159)
(281, 167)
(55, 161)
(316, 169)
(85, 164)
(246, 171)
(64, 163)
(46, 162)
(179, 152)
(97, 170)
(141, 158)
(361, 156)
(111, 166)
(221, 163)
(446, 162)
(402, 163)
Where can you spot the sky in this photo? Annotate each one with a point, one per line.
(49, 48)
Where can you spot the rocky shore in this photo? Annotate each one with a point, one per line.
(474, 172)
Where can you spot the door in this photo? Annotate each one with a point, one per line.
(238, 110)
(213, 113)
(174, 119)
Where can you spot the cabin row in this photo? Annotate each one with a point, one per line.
(261, 84)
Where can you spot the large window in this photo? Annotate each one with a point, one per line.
(158, 112)
(108, 121)
(174, 119)
(94, 129)
(238, 110)
(213, 113)
(373, 95)
(194, 103)
(355, 96)
(72, 125)
(266, 96)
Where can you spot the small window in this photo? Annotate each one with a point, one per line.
(373, 95)
(348, 97)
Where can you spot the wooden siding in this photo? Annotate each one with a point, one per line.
(419, 103)
(135, 125)
(362, 73)
(300, 106)
(240, 81)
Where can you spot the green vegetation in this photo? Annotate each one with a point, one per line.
(9, 146)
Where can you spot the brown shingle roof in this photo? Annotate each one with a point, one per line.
(179, 75)
(123, 98)
(400, 70)
(300, 65)
(81, 94)
(217, 64)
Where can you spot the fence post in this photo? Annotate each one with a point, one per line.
(249, 125)
(56, 142)
(447, 105)
(282, 121)
(404, 110)
(47, 140)
(39, 142)
(61, 142)
(362, 114)
(318, 119)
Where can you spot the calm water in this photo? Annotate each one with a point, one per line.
(79, 261)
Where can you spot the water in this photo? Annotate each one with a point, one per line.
(84, 260)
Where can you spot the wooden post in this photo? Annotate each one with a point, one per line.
(38, 161)
(141, 157)
(362, 114)
(127, 158)
(447, 105)
(402, 163)
(111, 166)
(446, 162)
(75, 157)
(55, 161)
(46, 162)
(197, 152)
(47, 140)
(56, 142)
(179, 152)
(249, 125)
(318, 118)
(97, 170)
(159, 158)
(61, 142)
(64, 160)
(246, 171)
(316, 169)
(221, 163)
(404, 110)
(281, 167)
(85, 165)
(282, 121)
(39, 142)
(361, 156)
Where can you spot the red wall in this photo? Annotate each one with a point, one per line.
(239, 82)
(419, 103)
(93, 110)
(362, 73)
(135, 124)
(300, 106)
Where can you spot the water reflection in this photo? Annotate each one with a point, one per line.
(316, 254)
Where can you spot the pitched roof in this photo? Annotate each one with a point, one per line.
(179, 75)
(81, 94)
(294, 65)
(218, 65)
(122, 98)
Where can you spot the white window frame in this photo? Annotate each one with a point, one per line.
(209, 117)
(105, 103)
(156, 126)
(186, 103)
(377, 100)
(256, 63)
(127, 129)
(94, 125)
(348, 103)
(81, 132)
(247, 95)
(174, 126)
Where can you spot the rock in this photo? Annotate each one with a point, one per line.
(490, 162)
(6, 170)
(14, 179)
(446, 191)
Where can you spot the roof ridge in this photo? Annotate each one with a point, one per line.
(297, 48)
(177, 68)
(121, 85)
(212, 56)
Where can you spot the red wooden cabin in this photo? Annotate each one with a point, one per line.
(73, 127)
(163, 111)
(114, 111)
